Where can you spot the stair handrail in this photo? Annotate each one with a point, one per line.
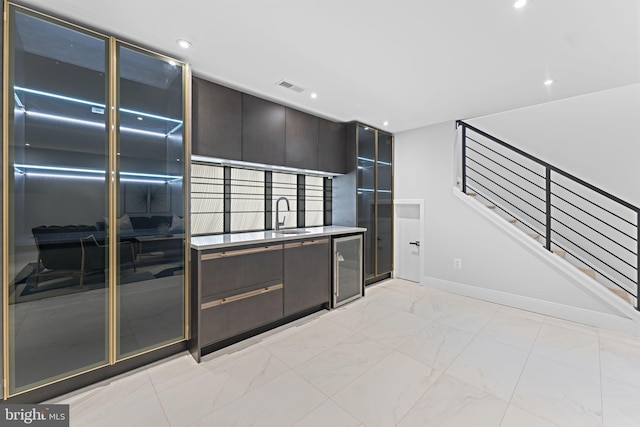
(546, 165)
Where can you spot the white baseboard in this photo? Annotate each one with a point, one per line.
(573, 314)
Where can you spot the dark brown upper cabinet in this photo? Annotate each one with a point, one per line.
(332, 146)
(217, 121)
(263, 131)
(301, 140)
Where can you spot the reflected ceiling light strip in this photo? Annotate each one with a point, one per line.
(65, 119)
(94, 171)
(94, 104)
(178, 126)
(371, 190)
(62, 97)
(58, 168)
(18, 102)
(151, 175)
(373, 161)
(147, 181)
(93, 178)
(60, 175)
(90, 123)
(152, 116)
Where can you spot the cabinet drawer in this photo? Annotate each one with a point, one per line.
(222, 319)
(229, 271)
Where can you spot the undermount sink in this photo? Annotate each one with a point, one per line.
(293, 231)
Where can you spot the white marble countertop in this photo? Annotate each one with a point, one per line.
(239, 239)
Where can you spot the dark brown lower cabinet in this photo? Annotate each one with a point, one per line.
(236, 291)
(306, 275)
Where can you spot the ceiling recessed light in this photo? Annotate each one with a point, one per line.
(183, 43)
(173, 63)
(385, 124)
(548, 82)
(366, 128)
(27, 145)
(520, 3)
(313, 95)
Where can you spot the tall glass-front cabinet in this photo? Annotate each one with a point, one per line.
(95, 221)
(374, 208)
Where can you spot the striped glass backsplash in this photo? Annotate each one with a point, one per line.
(225, 199)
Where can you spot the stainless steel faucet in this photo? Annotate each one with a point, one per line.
(278, 223)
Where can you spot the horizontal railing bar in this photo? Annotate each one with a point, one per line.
(509, 191)
(502, 166)
(504, 178)
(553, 168)
(598, 245)
(600, 233)
(593, 203)
(502, 155)
(590, 265)
(506, 201)
(593, 216)
(597, 270)
(497, 205)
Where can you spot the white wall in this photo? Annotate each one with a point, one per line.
(595, 137)
(492, 261)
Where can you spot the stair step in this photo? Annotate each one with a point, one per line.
(491, 206)
(471, 193)
(512, 220)
(534, 235)
(621, 293)
(589, 272)
(559, 252)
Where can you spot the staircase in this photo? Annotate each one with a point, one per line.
(591, 230)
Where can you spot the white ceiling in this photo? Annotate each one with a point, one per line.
(411, 62)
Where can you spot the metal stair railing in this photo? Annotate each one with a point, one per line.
(595, 228)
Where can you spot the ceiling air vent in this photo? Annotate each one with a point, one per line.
(288, 85)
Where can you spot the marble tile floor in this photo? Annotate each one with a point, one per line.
(403, 356)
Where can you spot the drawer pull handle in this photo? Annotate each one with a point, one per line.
(242, 296)
(217, 255)
(306, 243)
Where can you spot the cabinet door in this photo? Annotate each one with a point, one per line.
(367, 195)
(217, 121)
(306, 275)
(263, 131)
(331, 146)
(384, 208)
(301, 140)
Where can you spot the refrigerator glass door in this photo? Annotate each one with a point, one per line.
(347, 269)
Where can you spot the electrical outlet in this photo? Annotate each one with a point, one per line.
(457, 263)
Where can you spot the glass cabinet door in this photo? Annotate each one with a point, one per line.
(384, 205)
(150, 203)
(76, 299)
(366, 194)
(56, 284)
